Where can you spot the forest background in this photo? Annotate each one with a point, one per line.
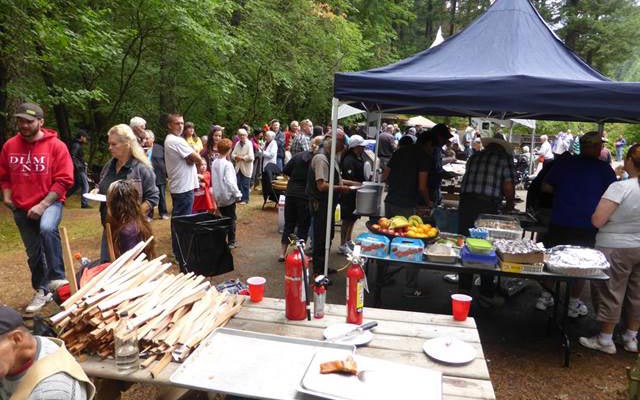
(94, 64)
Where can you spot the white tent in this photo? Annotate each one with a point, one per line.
(420, 120)
(439, 38)
(346, 110)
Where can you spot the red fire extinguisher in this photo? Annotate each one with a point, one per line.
(296, 284)
(356, 285)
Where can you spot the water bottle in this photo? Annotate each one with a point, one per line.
(126, 346)
(84, 261)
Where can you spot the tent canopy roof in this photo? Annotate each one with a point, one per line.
(507, 64)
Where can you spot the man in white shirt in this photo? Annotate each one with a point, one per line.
(181, 161)
(545, 148)
(243, 155)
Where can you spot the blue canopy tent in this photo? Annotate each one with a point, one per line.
(507, 64)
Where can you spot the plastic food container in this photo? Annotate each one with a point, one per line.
(407, 249)
(372, 244)
(479, 246)
(440, 253)
(486, 261)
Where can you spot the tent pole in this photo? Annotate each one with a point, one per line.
(334, 128)
(533, 138)
(511, 132)
(601, 128)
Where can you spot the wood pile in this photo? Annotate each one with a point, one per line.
(172, 313)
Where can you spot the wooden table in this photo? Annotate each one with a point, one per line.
(398, 337)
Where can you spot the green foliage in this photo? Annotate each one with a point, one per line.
(231, 61)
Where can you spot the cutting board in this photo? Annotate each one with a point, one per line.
(383, 380)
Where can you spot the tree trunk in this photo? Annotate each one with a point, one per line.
(59, 109)
(4, 106)
(428, 26)
(452, 17)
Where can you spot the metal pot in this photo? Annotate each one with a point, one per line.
(367, 201)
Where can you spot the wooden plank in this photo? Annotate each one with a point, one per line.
(454, 388)
(380, 340)
(67, 257)
(376, 314)
(476, 369)
(109, 239)
(467, 388)
(387, 327)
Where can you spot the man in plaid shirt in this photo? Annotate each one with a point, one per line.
(488, 179)
(302, 141)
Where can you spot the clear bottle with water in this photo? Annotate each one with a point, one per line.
(126, 346)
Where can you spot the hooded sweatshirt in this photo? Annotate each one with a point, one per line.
(32, 170)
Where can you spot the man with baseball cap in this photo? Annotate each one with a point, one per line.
(36, 172)
(36, 367)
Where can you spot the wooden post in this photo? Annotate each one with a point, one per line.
(109, 238)
(69, 270)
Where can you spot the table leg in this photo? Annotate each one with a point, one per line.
(565, 334)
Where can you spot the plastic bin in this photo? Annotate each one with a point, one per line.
(202, 243)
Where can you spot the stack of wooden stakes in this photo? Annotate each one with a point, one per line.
(173, 313)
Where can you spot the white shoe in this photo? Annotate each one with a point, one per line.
(544, 301)
(631, 344)
(342, 249)
(577, 309)
(39, 300)
(594, 343)
(56, 283)
(451, 278)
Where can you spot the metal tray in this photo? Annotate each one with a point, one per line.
(249, 364)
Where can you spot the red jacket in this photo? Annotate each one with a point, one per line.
(32, 170)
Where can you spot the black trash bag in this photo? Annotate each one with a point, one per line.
(202, 243)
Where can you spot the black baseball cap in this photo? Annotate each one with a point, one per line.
(30, 111)
(10, 319)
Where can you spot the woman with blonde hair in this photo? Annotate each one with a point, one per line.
(129, 225)
(128, 162)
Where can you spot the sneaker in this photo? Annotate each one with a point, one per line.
(165, 217)
(451, 278)
(56, 283)
(85, 206)
(545, 301)
(39, 300)
(594, 343)
(233, 245)
(577, 309)
(630, 344)
(243, 203)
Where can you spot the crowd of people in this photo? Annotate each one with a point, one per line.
(576, 193)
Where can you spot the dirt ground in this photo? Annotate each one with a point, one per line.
(524, 361)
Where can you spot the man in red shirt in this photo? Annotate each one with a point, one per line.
(36, 171)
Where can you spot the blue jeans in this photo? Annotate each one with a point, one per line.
(243, 184)
(619, 151)
(81, 182)
(182, 205)
(41, 240)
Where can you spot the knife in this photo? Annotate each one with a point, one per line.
(354, 332)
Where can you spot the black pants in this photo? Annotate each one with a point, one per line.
(471, 206)
(162, 200)
(296, 218)
(230, 211)
(319, 213)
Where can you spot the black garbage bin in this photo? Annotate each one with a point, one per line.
(202, 243)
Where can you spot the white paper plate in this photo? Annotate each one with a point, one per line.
(95, 197)
(356, 340)
(449, 350)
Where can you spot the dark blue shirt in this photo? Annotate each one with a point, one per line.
(578, 184)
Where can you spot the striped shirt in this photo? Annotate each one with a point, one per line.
(486, 172)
